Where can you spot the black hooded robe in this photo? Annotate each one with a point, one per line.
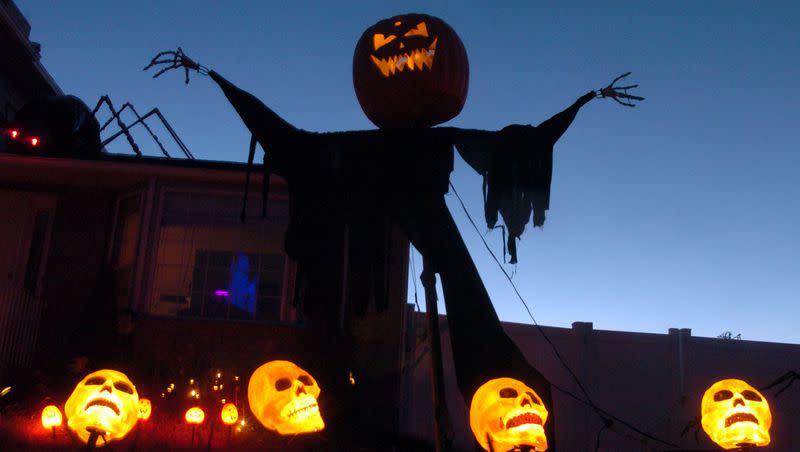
(365, 179)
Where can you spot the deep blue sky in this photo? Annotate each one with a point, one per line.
(682, 212)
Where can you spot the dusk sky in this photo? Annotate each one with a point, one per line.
(682, 212)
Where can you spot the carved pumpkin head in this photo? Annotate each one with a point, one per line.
(283, 397)
(508, 413)
(410, 71)
(145, 409)
(229, 414)
(105, 401)
(735, 414)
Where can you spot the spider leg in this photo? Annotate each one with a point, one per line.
(626, 87)
(186, 71)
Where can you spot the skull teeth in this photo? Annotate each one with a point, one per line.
(103, 402)
(302, 409)
(525, 418)
(417, 59)
(740, 417)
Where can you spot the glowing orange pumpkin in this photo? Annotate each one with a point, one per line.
(194, 415)
(283, 397)
(229, 414)
(410, 71)
(734, 414)
(105, 401)
(51, 417)
(509, 414)
(145, 409)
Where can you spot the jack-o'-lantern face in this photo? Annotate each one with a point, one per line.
(509, 414)
(734, 414)
(145, 409)
(229, 414)
(410, 70)
(194, 415)
(105, 401)
(283, 397)
(404, 47)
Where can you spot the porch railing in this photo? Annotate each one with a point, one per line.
(20, 315)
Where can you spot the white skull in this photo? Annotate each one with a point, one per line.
(105, 401)
(735, 414)
(283, 397)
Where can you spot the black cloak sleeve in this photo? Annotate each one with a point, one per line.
(517, 167)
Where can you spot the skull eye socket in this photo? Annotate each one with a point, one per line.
(306, 380)
(508, 393)
(124, 387)
(722, 395)
(95, 381)
(420, 30)
(283, 384)
(533, 397)
(751, 395)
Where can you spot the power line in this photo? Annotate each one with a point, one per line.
(604, 415)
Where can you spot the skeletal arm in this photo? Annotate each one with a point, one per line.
(267, 127)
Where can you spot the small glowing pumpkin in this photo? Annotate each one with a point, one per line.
(410, 70)
(105, 401)
(509, 414)
(734, 414)
(283, 397)
(145, 409)
(194, 415)
(229, 414)
(51, 417)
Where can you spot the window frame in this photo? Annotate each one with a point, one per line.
(288, 314)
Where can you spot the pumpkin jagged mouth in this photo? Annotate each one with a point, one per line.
(740, 417)
(528, 417)
(416, 59)
(104, 403)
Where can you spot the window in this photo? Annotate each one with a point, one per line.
(209, 264)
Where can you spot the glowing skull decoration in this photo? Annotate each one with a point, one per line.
(508, 413)
(105, 401)
(283, 397)
(734, 414)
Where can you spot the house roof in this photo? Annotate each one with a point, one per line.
(20, 59)
(120, 171)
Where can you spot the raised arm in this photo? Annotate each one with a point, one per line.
(267, 127)
(553, 128)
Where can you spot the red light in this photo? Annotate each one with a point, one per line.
(14, 133)
(34, 141)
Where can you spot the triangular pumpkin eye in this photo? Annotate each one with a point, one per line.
(420, 30)
(379, 40)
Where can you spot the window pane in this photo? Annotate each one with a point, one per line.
(218, 266)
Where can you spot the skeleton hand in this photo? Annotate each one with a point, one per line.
(619, 92)
(174, 60)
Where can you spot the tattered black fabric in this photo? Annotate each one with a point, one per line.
(517, 167)
(363, 181)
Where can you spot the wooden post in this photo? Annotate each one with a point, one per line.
(440, 416)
